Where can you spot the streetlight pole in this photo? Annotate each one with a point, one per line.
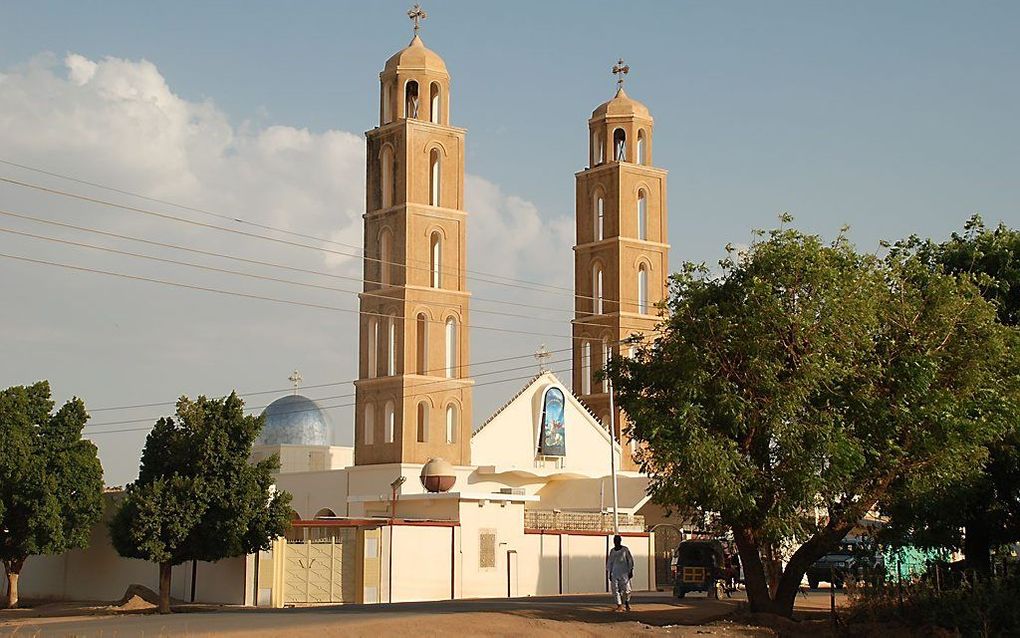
(612, 458)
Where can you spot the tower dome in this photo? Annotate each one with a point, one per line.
(416, 57)
(621, 106)
(294, 420)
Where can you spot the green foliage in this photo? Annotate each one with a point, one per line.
(197, 497)
(807, 378)
(51, 481)
(986, 500)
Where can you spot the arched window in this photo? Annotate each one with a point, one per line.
(411, 100)
(452, 423)
(641, 146)
(597, 290)
(600, 218)
(388, 422)
(422, 343)
(373, 347)
(391, 346)
(607, 352)
(423, 422)
(620, 145)
(435, 180)
(599, 148)
(369, 424)
(585, 367)
(451, 348)
(434, 103)
(385, 256)
(386, 177)
(387, 103)
(642, 289)
(642, 215)
(436, 259)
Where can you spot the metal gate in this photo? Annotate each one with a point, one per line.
(667, 537)
(322, 570)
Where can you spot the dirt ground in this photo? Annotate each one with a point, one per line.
(653, 614)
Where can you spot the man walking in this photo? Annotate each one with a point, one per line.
(620, 567)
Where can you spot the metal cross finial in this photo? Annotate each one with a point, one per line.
(417, 14)
(295, 379)
(619, 70)
(541, 355)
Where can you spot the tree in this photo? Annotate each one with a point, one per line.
(197, 497)
(51, 481)
(982, 509)
(789, 392)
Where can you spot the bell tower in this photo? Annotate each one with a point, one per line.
(413, 389)
(621, 255)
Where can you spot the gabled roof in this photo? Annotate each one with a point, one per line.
(524, 389)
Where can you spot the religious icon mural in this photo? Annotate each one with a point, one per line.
(552, 438)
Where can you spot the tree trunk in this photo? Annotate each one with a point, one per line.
(164, 587)
(759, 596)
(977, 548)
(13, 569)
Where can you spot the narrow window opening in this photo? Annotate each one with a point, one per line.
(411, 100)
(451, 348)
(422, 340)
(423, 422)
(641, 146)
(373, 347)
(596, 277)
(620, 145)
(389, 425)
(434, 103)
(387, 97)
(586, 368)
(369, 424)
(642, 215)
(435, 181)
(391, 346)
(451, 423)
(436, 261)
(600, 218)
(386, 187)
(642, 286)
(385, 256)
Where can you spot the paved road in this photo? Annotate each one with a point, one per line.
(552, 616)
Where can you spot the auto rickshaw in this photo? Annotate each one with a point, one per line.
(697, 566)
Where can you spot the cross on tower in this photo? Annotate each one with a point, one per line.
(417, 14)
(295, 379)
(541, 355)
(619, 70)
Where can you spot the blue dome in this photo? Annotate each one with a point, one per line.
(294, 420)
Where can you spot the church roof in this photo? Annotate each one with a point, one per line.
(416, 56)
(294, 420)
(622, 105)
(527, 385)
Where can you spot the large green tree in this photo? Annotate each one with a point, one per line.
(787, 393)
(982, 509)
(51, 481)
(197, 496)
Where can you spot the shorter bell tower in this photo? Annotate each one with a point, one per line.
(621, 254)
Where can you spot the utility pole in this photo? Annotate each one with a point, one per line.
(612, 458)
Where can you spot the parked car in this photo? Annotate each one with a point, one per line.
(852, 560)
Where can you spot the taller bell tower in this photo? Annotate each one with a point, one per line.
(413, 391)
(621, 255)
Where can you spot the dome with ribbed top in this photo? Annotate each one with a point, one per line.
(416, 56)
(621, 105)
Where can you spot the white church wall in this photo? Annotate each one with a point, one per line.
(422, 567)
(506, 521)
(314, 491)
(509, 440)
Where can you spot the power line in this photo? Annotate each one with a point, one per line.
(262, 297)
(247, 260)
(513, 283)
(327, 407)
(239, 220)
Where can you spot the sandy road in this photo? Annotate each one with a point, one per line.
(547, 616)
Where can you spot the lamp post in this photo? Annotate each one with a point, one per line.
(612, 458)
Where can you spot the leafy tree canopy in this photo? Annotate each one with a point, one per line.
(51, 481)
(197, 497)
(788, 392)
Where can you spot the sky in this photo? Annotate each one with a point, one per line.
(895, 118)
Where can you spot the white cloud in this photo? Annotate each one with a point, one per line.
(118, 122)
